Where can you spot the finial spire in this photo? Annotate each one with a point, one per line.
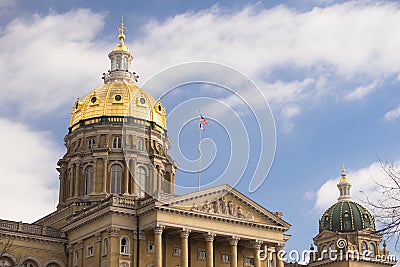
(121, 29)
(344, 186)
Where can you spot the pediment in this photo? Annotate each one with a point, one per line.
(225, 201)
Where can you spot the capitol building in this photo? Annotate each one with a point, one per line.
(117, 204)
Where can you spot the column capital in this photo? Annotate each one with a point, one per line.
(233, 241)
(98, 236)
(184, 233)
(209, 237)
(113, 231)
(158, 229)
(256, 244)
(80, 244)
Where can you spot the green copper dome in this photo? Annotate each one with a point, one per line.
(346, 216)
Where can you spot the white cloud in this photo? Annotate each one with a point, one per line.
(364, 183)
(361, 91)
(330, 49)
(349, 39)
(47, 61)
(393, 114)
(27, 171)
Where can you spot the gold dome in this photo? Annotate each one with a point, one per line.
(121, 47)
(117, 99)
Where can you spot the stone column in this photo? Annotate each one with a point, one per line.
(210, 250)
(134, 185)
(94, 178)
(233, 243)
(98, 247)
(184, 248)
(158, 246)
(279, 262)
(81, 255)
(105, 171)
(256, 247)
(126, 177)
(76, 193)
(61, 195)
(71, 183)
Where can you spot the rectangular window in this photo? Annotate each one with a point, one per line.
(201, 254)
(150, 248)
(248, 261)
(177, 251)
(90, 251)
(225, 258)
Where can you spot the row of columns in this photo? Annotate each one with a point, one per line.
(209, 238)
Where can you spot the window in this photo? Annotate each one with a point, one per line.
(366, 220)
(346, 221)
(141, 145)
(88, 180)
(332, 250)
(372, 249)
(177, 251)
(117, 142)
(105, 247)
(248, 261)
(140, 181)
(28, 264)
(201, 254)
(90, 251)
(150, 248)
(225, 258)
(115, 180)
(75, 258)
(124, 246)
(5, 262)
(363, 246)
(91, 143)
(324, 252)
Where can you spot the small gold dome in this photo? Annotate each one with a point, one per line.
(121, 47)
(117, 99)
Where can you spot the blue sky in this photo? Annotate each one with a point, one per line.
(330, 71)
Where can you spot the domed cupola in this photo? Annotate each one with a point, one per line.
(346, 215)
(119, 96)
(117, 142)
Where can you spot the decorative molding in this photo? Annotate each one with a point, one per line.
(233, 241)
(158, 230)
(223, 207)
(209, 237)
(184, 233)
(98, 237)
(113, 231)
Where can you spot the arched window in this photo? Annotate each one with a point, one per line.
(366, 220)
(363, 246)
(332, 250)
(124, 245)
(115, 180)
(28, 263)
(5, 262)
(346, 221)
(105, 247)
(140, 181)
(88, 180)
(372, 249)
(52, 265)
(141, 145)
(117, 142)
(91, 143)
(325, 252)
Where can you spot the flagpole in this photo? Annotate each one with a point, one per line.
(198, 161)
